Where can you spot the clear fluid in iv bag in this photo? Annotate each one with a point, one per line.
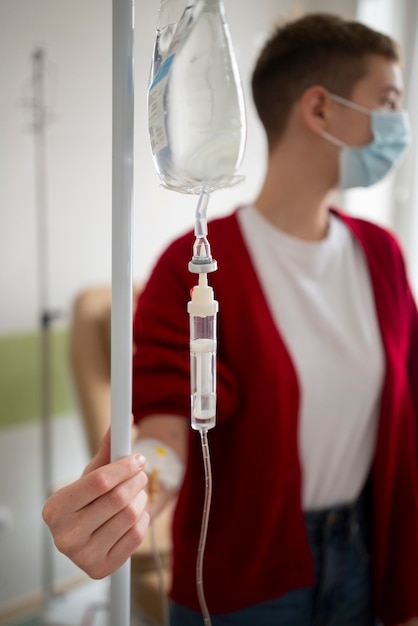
(203, 383)
(168, 17)
(195, 104)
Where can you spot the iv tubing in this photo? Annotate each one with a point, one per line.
(202, 259)
(201, 228)
(160, 573)
(121, 323)
(204, 528)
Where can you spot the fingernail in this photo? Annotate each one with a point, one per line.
(140, 459)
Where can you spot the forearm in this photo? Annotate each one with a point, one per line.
(162, 439)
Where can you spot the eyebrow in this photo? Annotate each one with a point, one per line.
(392, 88)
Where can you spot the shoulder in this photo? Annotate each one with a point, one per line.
(375, 239)
(384, 255)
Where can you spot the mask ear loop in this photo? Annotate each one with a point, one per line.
(337, 142)
(349, 103)
(352, 105)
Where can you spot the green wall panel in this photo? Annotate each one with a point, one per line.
(20, 377)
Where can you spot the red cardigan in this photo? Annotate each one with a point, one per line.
(257, 547)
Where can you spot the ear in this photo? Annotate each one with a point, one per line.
(315, 107)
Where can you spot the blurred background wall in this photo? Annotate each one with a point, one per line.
(75, 36)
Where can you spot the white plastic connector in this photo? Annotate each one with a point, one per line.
(202, 262)
(203, 303)
(202, 268)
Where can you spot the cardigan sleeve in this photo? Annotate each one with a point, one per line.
(403, 577)
(161, 359)
(413, 360)
(395, 471)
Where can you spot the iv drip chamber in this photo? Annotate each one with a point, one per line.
(202, 309)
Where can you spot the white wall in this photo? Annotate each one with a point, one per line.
(76, 38)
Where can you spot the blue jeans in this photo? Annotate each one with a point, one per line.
(341, 595)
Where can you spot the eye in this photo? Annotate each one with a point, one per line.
(391, 103)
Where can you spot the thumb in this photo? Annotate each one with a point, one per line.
(102, 456)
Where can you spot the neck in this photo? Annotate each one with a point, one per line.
(295, 199)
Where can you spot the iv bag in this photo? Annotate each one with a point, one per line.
(195, 100)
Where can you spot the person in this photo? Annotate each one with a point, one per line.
(314, 516)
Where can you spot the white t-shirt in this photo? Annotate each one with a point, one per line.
(321, 298)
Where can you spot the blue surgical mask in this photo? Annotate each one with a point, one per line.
(366, 165)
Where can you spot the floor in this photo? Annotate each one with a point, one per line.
(85, 606)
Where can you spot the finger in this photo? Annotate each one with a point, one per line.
(124, 548)
(117, 526)
(102, 457)
(104, 479)
(100, 481)
(114, 547)
(106, 507)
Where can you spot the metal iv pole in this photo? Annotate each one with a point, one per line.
(46, 315)
(121, 323)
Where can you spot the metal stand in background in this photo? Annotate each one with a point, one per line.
(121, 324)
(46, 316)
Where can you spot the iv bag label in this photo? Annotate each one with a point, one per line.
(157, 132)
(163, 71)
(156, 118)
